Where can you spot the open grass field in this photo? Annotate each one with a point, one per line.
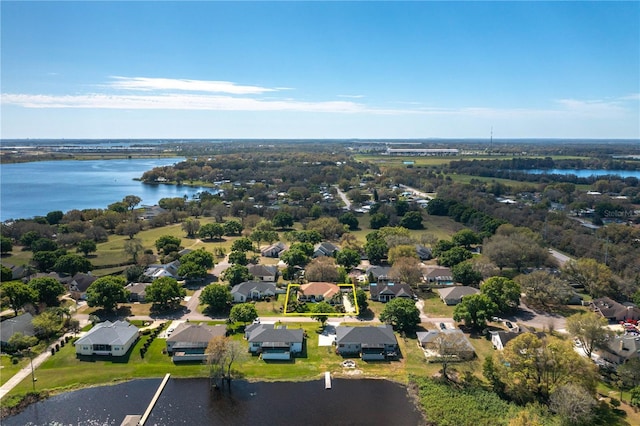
(386, 160)
(8, 368)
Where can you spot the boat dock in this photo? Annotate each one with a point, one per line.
(137, 420)
(327, 380)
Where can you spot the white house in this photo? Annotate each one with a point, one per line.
(252, 290)
(108, 338)
(274, 343)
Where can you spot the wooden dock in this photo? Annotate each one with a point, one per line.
(136, 420)
(327, 380)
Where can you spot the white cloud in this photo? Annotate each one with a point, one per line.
(351, 96)
(167, 84)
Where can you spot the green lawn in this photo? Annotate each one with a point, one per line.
(8, 368)
(434, 307)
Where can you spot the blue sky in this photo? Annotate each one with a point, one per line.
(320, 69)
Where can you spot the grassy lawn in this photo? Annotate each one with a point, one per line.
(8, 369)
(273, 308)
(434, 307)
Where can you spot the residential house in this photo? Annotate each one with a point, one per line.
(318, 292)
(189, 341)
(453, 295)
(325, 248)
(274, 250)
(163, 270)
(151, 212)
(385, 291)
(20, 324)
(264, 272)
(137, 292)
(452, 342)
(499, 339)
(437, 275)
(621, 349)
(374, 272)
(614, 311)
(79, 284)
(371, 343)
(108, 338)
(252, 290)
(424, 253)
(274, 343)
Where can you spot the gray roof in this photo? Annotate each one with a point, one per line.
(262, 270)
(398, 290)
(429, 336)
(193, 334)
(20, 324)
(457, 292)
(369, 335)
(246, 287)
(268, 334)
(109, 333)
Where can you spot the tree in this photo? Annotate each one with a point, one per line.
(211, 231)
(442, 246)
(262, 235)
(45, 260)
(133, 247)
(475, 310)
(465, 274)
(465, 238)
(306, 236)
(191, 227)
(6, 274)
(401, 313)
(19, 341)
(18, 294)
(350, 220)
(236, 274)
(516, 250)
(192, 271)
(221, 353)
(54, 217)
(295, 256)
(635, 397)
(448, 347)
(320, 311)
(106, 292)
(128, 228)
(329, 227)
(348, 258)
(72, 264)
(402, 250)
(86, 246)
(322, 268)
(242, 244)
(47, 324)
(47, 289)
(243, 312)
(217, 296)
(629, 373)
(573, 404)
(232, 227)
(406, 270)
(533, 368)
(166, 293)
(133, 273)
(282, 220)
(361, 300)
(590, 329)
(167, 244)
(238, 258)
(595, 277)
(454, 256)
(44, 244)
(131, 201)
(6, 245)
(502, 291)
(200, 257)
(544, 290)
(376, 250)
(378, 220)
(412, 220)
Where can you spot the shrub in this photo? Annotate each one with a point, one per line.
(14, 360)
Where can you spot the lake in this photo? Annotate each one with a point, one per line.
(586, 172)
(35, 189)
(190, 402)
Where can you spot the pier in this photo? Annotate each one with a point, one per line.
(136, 420)
(327, 380)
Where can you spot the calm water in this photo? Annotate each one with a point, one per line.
(34, 189)
(587, 173)
(189, 402)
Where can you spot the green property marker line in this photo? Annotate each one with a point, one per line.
(330, 314)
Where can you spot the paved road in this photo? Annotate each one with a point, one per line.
(559, 257)
(343, 197)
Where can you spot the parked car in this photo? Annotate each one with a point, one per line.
(443, 326)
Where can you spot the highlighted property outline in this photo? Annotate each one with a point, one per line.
(329, 314)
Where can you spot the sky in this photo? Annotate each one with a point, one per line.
(316, 70)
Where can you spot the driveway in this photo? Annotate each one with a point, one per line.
(539, 320)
